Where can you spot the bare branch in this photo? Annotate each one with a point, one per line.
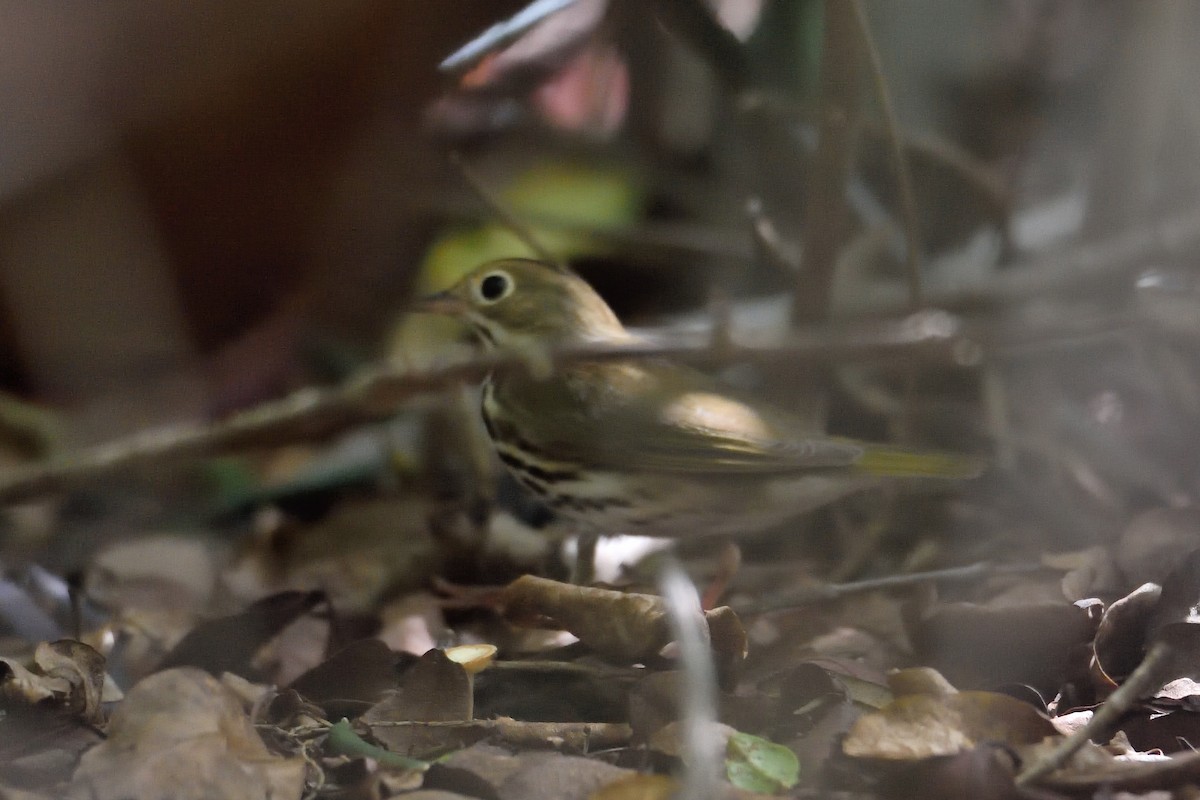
(378, 393)
(891, 127)
(501, 210)
(826, 209)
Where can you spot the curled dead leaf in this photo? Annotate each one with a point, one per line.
(623, 626)
(1120, 639)
(620, 626)
(66, 670)
(81, 667)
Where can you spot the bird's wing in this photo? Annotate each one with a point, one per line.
(662, 418)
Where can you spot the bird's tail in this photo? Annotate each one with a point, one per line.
(896, 462)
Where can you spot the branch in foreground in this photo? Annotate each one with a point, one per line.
(932, 336)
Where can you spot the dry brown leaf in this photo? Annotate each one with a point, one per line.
(669, 739)
(1041, 644)
(41, 744)
(818, 702)
(66, 670)
(81, 667)
(638, 787)
(160, 572)
(181, 734)
(1120, 639)
(919, 680)
(925, 726)
(477, 771)
(228, 644)
(623, 626)
(19, 683)
(10, 793)
(358, 674)
(550, 776)
(620, 626)
(435, 689)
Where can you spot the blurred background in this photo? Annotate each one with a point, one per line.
(213, 214)
(209, 205)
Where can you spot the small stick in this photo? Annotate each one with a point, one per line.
(835, 591)
(908, 203)
(1145, 679)
(501, 209)
(891, 127)
(377, 393)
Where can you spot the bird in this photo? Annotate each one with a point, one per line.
(648, 446)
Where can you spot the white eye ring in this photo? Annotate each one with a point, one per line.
(494, 287)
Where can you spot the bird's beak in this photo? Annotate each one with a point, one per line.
(440, 303)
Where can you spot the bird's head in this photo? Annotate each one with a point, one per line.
(517, 302)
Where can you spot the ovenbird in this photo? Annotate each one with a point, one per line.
(643, 446)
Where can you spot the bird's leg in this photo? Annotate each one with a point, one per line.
(583, 571)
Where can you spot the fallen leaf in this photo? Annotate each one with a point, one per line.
(81, 667)
(619, 626)
(622, 626)
(228, 644)
(352, 679)
(638, 787)
(1120, 639)
(550, 776)
(164, 571)
(41, 744)
(435, 689)
(759, 765)
(920, 680)
(924, 726)
(669, 740)
(1043, 644)
(181, 734)
(67, 671)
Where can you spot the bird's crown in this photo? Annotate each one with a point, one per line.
(516, 300)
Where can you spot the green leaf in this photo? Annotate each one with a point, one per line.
(755, 764)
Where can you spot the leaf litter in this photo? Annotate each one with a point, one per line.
(373, 634)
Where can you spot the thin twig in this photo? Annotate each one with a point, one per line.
(908, 203)
(826, 209)
(579, 737)
(377, 393)
(835, 591)
(1149, 675)
(511, 221)
(1081, 269)
(891, 127)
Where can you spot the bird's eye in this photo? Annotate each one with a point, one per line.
(495, 286)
